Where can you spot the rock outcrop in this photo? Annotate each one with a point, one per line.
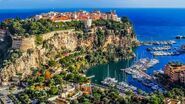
(53, 43)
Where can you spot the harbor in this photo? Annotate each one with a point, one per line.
(137, 71)
(166, 48)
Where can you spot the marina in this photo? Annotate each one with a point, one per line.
(137, 71)
(141, 65)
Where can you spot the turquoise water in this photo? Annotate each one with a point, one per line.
(149, 24)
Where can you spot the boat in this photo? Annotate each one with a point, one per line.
(155, 87)
(108, 81)
(169, 42)
(133, 88)
(136, 76)
(152, 63)
(164, 48)
(180, 37)
(164, 53)
(123, 86)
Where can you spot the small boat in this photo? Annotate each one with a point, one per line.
(109, 81)
(152, 63)
(180, 37)
(133, 88)
(155, 87)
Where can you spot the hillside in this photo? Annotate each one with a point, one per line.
(105, 41)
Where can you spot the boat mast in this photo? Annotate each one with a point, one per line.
(108, 71)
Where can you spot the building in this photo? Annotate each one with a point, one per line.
(5, 100)
(176, 71)
(16, 43)
(67, 91)
(86, 88)
(88, 23)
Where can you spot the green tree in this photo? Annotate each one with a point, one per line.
(38, 40)
(53, 90)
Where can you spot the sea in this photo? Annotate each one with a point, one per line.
(149, 24)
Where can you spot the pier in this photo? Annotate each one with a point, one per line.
(164, 48)
(169, 42)
(165, 53)
(90, 77)
(137, 69)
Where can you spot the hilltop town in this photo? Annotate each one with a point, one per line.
(78, 16)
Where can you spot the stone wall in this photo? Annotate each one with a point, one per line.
(27, 43)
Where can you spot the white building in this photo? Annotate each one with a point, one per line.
(88, 23)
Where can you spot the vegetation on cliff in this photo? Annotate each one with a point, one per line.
(110, 41)
(19, 27)
(27, 27)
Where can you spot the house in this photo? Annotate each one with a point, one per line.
(86, 88)
(68, 90)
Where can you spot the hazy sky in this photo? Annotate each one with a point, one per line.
(17, 4)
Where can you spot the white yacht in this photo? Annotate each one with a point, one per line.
(109, 81)
(152, 63)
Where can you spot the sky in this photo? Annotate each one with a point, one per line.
(35, 4)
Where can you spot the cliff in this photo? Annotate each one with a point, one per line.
(55, 42)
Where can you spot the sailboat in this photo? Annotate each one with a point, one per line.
(108, 81)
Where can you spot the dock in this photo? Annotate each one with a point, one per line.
(90, 77)
(168, 42)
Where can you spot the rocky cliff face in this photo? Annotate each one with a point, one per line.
(53, 43)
